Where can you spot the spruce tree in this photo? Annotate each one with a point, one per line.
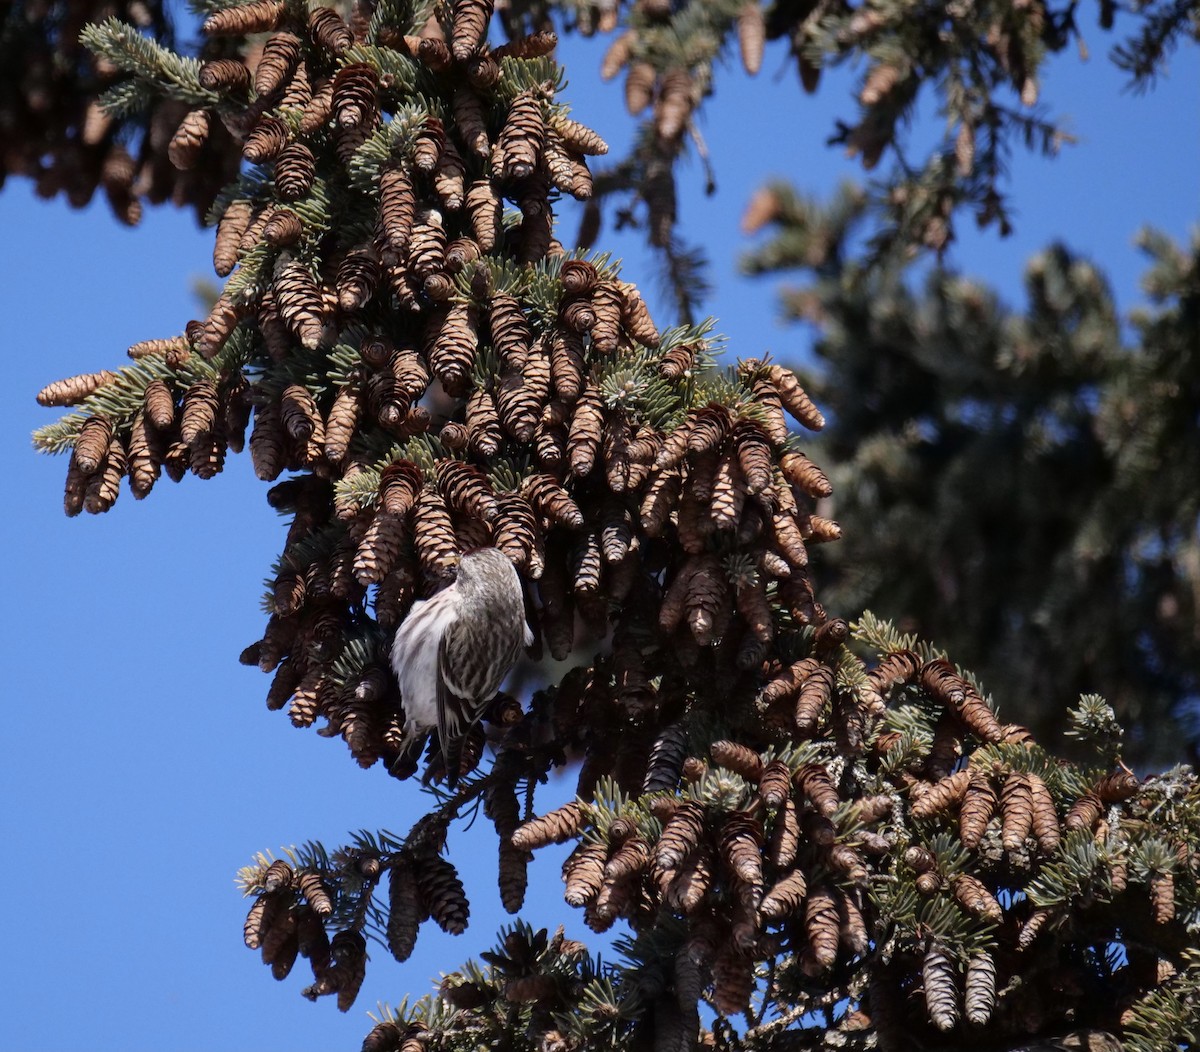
(1015, 485)
(818, 832)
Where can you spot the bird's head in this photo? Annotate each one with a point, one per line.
(483, 568)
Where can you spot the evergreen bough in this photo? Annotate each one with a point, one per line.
(821, 827)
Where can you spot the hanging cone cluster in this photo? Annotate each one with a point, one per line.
(781, 834)
(434, 373)
(67, 116)
(439, 376)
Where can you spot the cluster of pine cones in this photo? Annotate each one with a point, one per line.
(779, 851)
(57, 133)
(439, 374)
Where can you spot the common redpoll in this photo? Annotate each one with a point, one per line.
(453, 650)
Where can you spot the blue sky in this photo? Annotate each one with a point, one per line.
(141, 768)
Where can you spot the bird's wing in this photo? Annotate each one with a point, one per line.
(455, 713)
(444, 700)
(415, 656)
(528, 632)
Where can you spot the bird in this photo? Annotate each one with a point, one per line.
(454, 649)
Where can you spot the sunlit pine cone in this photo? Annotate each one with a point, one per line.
(794, 398)
(184, 148)
(483, 424)
(227, 75)
(606, 304)
(295, 170)
(300, 302)
(267, 448)
(486, 211)
(466, 489)
(979, 804)
(822, 926)
(553, 501)
(517, 406)
(427, 247)
(942, 795)
(104, 485)
(784, 897)
(283, 229)
(400, 484)
(233, 224)
(729, 494)
(517, 534)
(813, 780)
(433, 535)
(510, 330)
(91, 445)
(583, 873)
(319, 108)
(470, 22)
(216, 329)
(635, 316)
(567, 364)
(554, 827)
(741, 842)
(451, 341)
(380, 547)
(450, 177)
(252, 235)
(470, 122)
(145, 455)
(628, 859)
(660, 500)
(356, 96)
(397, 210)
(520, 140)
(280, 56)
(387, 401)
(567, 170)
(299, 413)
(1016, 810)
(460, 252)
(980, 988)
(586, 431)
(973, 895)
(245, 19)
(328, 30)
(738, 758)
(941, 993)
(200, 406)
(74, 389)
(1045, 824)
(408, 368)
(814, 695)
(357, 277)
